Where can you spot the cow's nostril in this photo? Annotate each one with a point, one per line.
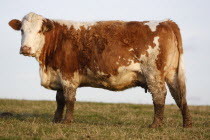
(25, 50)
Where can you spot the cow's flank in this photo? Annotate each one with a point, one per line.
(113, 55)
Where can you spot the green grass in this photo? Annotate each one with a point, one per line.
(32, 120)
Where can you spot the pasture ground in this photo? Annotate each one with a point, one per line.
(22, 119)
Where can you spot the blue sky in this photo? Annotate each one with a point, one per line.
(20, 75)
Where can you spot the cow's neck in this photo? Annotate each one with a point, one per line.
(60, 48)
(53, 44)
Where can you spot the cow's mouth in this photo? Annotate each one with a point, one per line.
(28, 54)
(26, 51)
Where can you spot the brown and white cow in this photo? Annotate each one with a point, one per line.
(113, 55)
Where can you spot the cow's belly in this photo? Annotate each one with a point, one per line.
(50, 79)
(118, 82)
(123, 80)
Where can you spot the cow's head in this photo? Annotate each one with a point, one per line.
(32, 29)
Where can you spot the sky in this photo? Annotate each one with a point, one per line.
(20, 75)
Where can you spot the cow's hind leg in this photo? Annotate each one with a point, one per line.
(179, 97)
(156, 86)
(60, 106)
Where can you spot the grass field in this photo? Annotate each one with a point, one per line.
(32, 120)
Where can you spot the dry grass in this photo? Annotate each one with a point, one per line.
(32, 120)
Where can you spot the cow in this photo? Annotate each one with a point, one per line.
(113, 55)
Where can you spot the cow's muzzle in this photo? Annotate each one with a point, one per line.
(25, 50)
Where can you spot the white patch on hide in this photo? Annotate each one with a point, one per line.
(126, 75)
(132, 67)
(75, 24)
(49, 78)
(73, 82)
(156, 42)
(153, 24)
(43, 76)
(152, 52)
(131, 49)
(89, 72)
(150, 70)
(101, 73)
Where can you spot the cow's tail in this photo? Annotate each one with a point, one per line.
(181, 79)
(181, 72)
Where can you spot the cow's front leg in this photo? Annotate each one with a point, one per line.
(60, 106)
(69, 95)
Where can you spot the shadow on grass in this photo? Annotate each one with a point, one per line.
(45, 117)
(91, 119)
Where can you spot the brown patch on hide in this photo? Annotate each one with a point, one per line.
(47, 25)
(58, 51)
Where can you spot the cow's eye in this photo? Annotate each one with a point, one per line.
(39, 31)
(22, 32)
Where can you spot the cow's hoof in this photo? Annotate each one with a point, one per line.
(155, 125)
(56, 120)
(66, 121)
(187, 125)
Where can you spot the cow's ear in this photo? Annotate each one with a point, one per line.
(47, 26)
(15, 24)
